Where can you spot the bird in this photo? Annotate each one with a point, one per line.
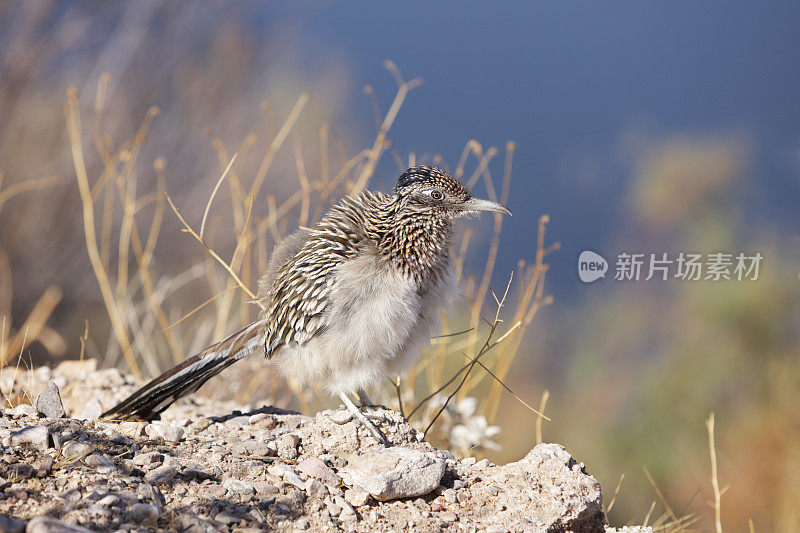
(348, 302)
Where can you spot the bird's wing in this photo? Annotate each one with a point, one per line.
(300, 292)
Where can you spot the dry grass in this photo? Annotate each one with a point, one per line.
(34, 328)
(140, 297)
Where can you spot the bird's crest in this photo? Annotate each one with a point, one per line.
(433, 176)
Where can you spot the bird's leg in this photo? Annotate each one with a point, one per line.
(364, 399)
(363, 419)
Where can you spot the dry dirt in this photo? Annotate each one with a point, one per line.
(210, 466)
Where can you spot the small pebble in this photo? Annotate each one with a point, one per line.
(101, 463)
(237, 486)
(49, 403)
(162, 474)
(149, 459)
(167, 433)
(75, 449)
(46, 524)
(356, 496)
(21, 410)
(480, 465)
(132, 429)
(37, 437)
(263, 420)
(287, 446)
(227, 518)
(294, 479)
(92, 410)
(109, 501)
(143, 512)
(314, 467)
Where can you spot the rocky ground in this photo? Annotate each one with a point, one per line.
(256, 469)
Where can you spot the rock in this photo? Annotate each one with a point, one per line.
(292, 478)
(287, 446)
(76, 370)
(21, 410)
(356, 496)
(450, 495)
(253, 448)
(148, 460)
(200, 426)
(49, 403)
(45, 524)
(279, 469)
(302, 524)
(448, 516)
(106, 379)
(11, 525)
(161, 475)
(143, 512)
(227, 518)
(569, 499)
(265, 488)
(37, 437)
(347, 509)
(109, 501)
(316, 489)
(75, 449)
(313, 467)
(101, 463)
(148, 492)
(263, 420)
(43, 466)
(480, 465)
(194, 470)
(237, 486)
(131, 429)
(167, 433)
(391, 473)
(237, 421)
(92, 410)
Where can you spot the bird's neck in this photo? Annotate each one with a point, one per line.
(417, 244)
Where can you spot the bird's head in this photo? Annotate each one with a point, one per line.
(430, 190)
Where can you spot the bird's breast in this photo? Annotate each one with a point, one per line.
(375, 303)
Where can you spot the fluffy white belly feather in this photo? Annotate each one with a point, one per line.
(376, 327)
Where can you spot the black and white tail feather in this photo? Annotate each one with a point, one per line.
(150, 400)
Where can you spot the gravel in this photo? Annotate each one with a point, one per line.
(210, 466)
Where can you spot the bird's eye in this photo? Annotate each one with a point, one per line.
(436, 194)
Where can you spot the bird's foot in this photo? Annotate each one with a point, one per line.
(362, 418)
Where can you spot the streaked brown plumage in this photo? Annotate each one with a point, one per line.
(349, 302)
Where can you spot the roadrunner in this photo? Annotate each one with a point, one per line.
(351, 301)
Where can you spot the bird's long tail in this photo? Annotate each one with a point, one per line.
(154, 397)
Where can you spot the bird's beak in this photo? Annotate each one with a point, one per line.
(476, 204)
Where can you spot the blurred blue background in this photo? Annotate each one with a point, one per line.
(576, 85)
